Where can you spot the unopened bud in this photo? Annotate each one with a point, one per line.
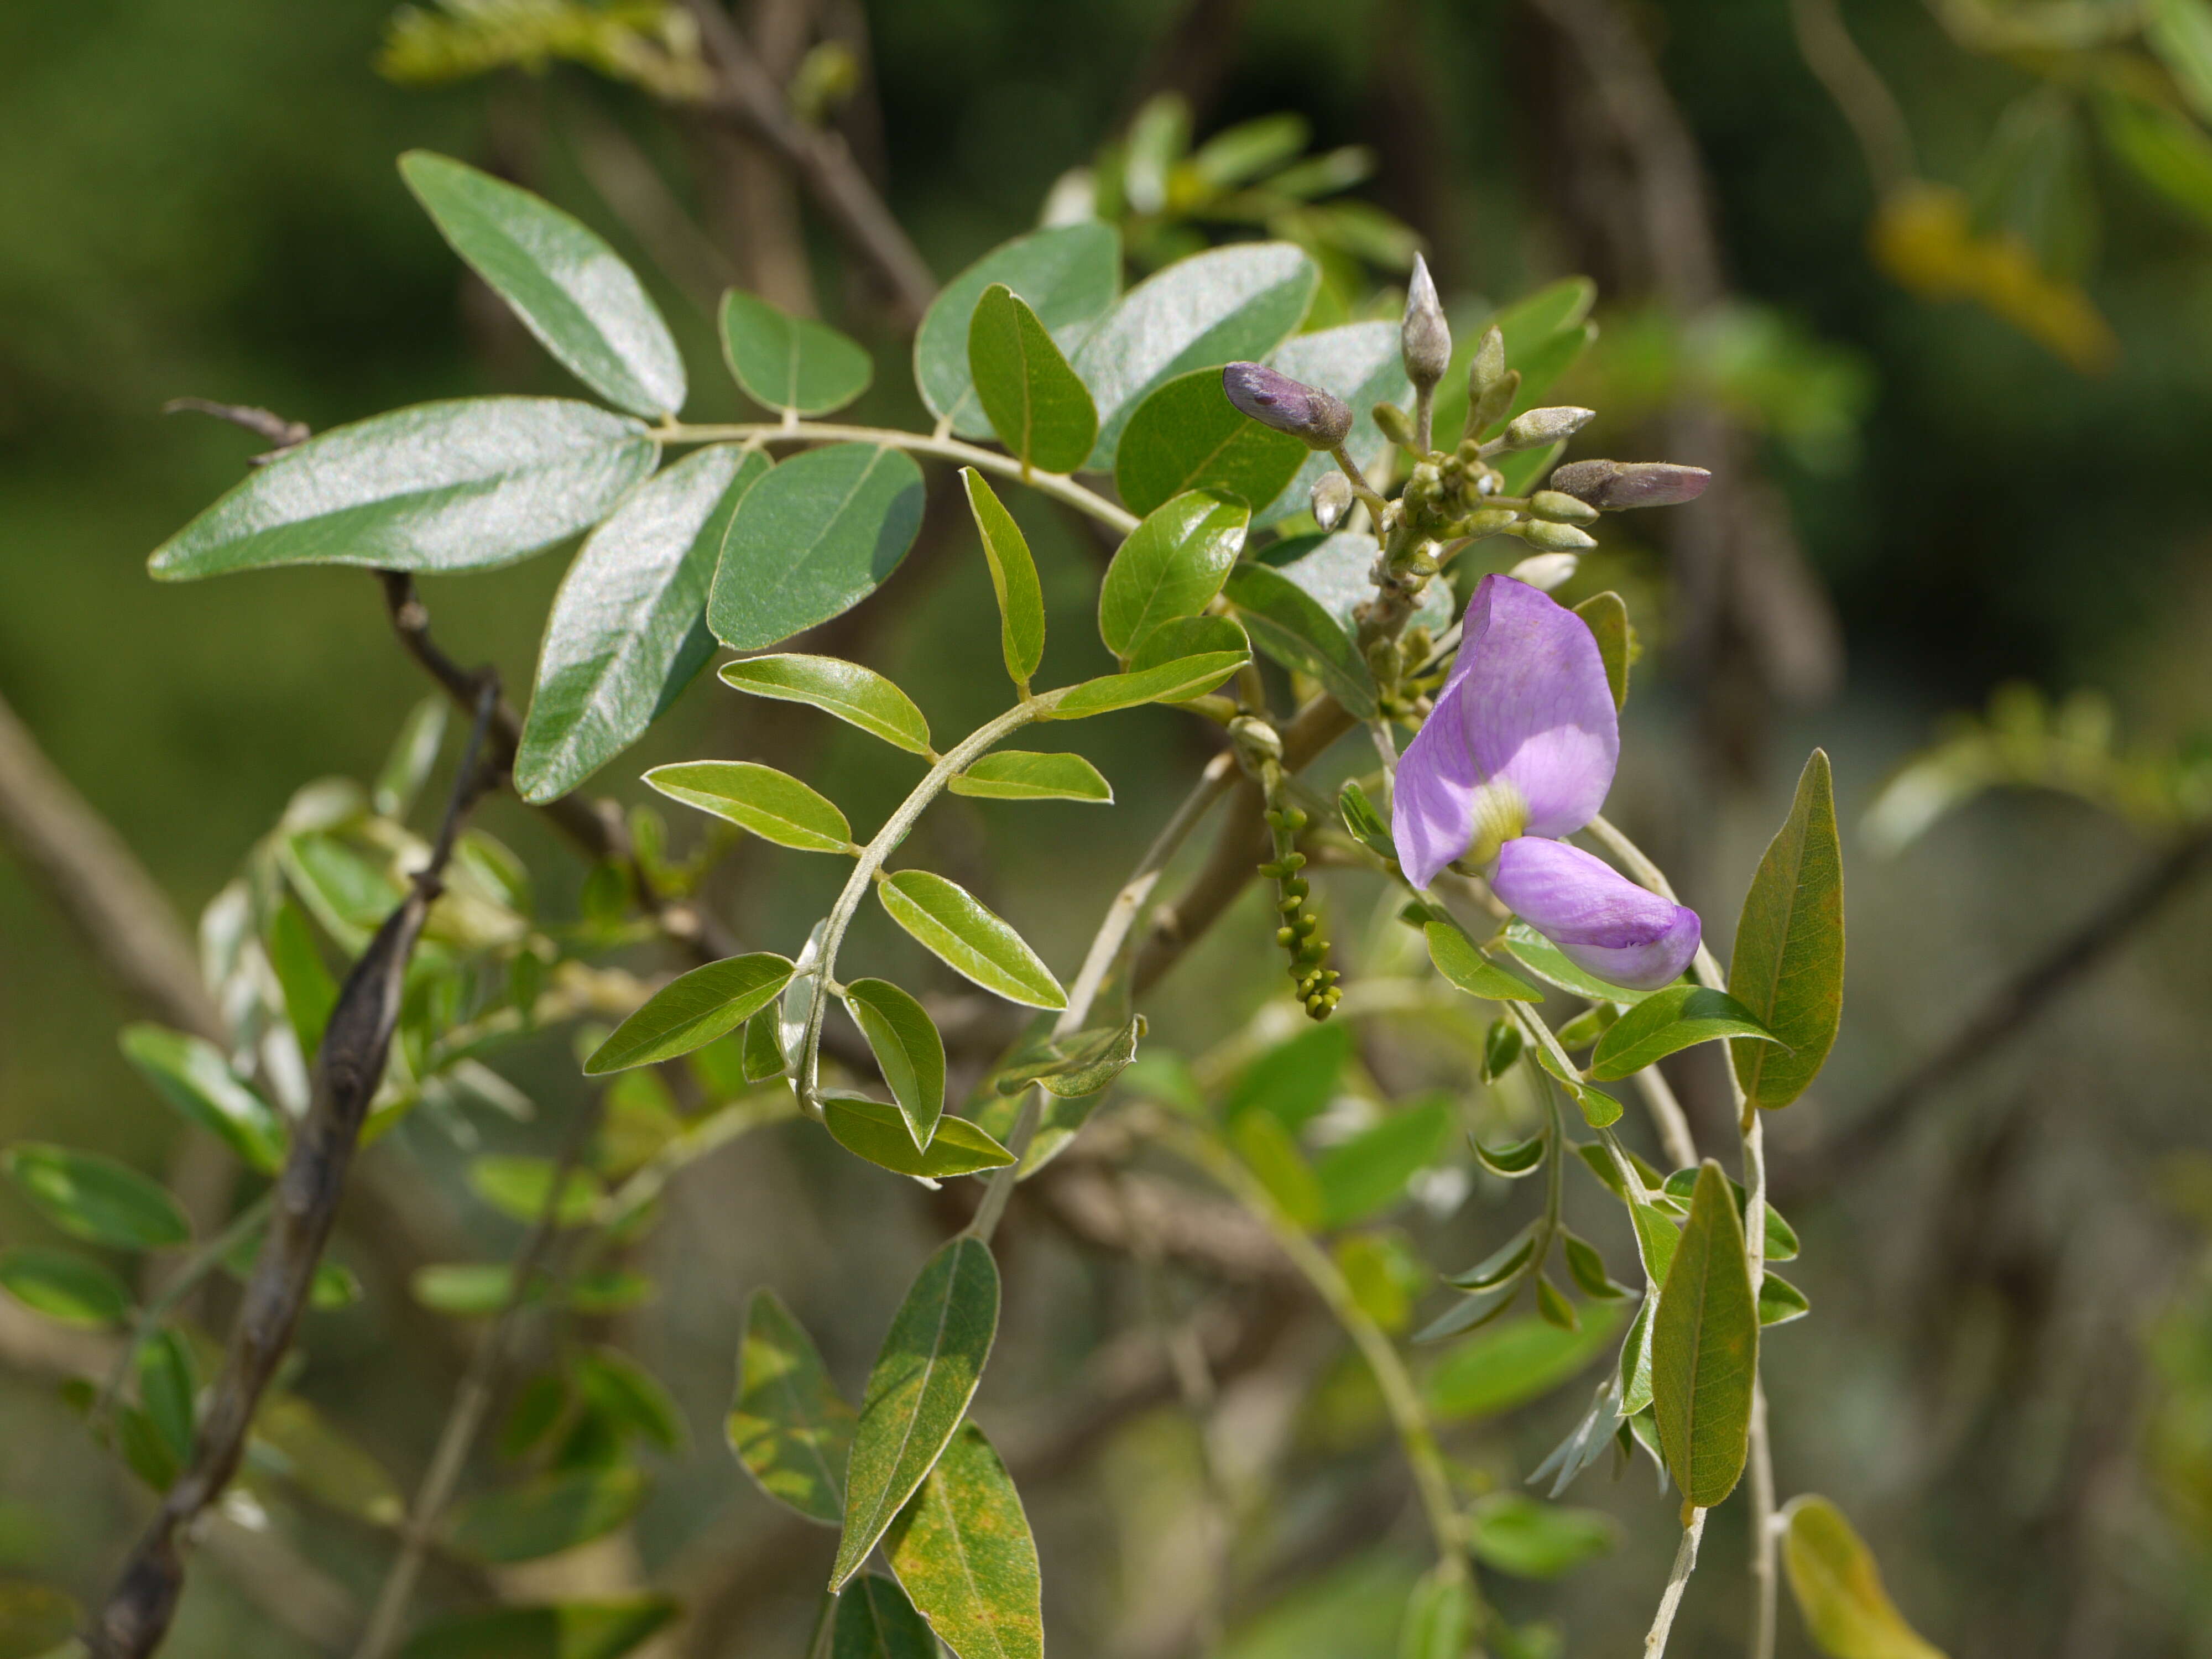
(1489, 521)
(1555, 538)
(1332, 499)
(1488, 367)
(1395, 424)
(1613, 486)
(1538, 427)
(1492, 406)
(1561, 508)
(1423, 337)
(1306, 412)
(1546, 571)
(1258, 739)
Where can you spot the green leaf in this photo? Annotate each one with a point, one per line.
(414, 752)
(1068, 275)
(189, 1074)
(569, 288)
(1458, 961)
(1527, 324)
(1838, 1589)
(1366, 1175)
(919, 1390)
(1297, 630)
(1232, 304)
(952, 923)
(628, 629)
(1668, 1020)
(906, 1046)
(1549, 964)
(961, 1549)
(63, 1285)
(1013, 578)
(35, 1621)
(1172, 565)
(879, 1132)
(1294, 1081)
(1781, 1237)
(1518, 1536)
(1182, 637)
(1272, 1155)
(1361, 363)
(1440, 1622)
(1041, 411)
(1017, 774)
(518, 1188)
(1607, 613)
(790, 363)
(762, 1056)
(773, 804)
(629, 1395)
(1704, 1348)
(1168, 682)
(1788, 966)
(812, 540)
(1514, 1362)
(692, 1010)
(1363, 822)
(2180, 33)
(292, 1438)
(567, 1629)
(546, 1515)
(2166, 151)
(788, 1426)
(461, 485)
(1188, 435)
(1779, 1301)
(95, 1198)
(168, 1385)
(1071, 1066)
(874, 1621)
(859, 696)
(310, 990)
(1521, 1157)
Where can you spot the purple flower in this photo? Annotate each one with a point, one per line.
(1306, 412)
(1520, 750)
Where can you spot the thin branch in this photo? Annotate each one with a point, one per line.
(348, 1066)
(1860, 94)
(1670, 1600)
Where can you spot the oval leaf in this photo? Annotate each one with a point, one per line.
(554, 1513)
(1788, 966)
(878, 1131)
(1068, 275)
(787, 362)
(918, 1392)
(789, 1426)
(950, 922)
(1190, 636)
(1188, 435)
(1171, 565)
(1704, 1348)
(463, 485)
(1458, 961)
(1291, 626)
(1779, 1301)
(1668, 1020)
(569, 1630)
(569, 288)
(1229, 305)
(1838, 1589)
(906, 1046)
(1041, 411)
(63, 1285)
(1514, 1362)
(1013, 578)
(859, 696)
(192, 1076)
(1607, 613)
(692, 1011)
(962, 1550)
(876, 1621)
(96, 1198)
(812, 540)
(773, 804)
(1518, 1536)
(1549, 964)
(1169, 682)
(1017, 774)
(628, 627)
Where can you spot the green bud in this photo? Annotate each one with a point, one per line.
(1561, 509)
(1396, 425)
(1256, 739)
(1538, 427)
(1490, 521)
(1332, 499)
(1423, 337)
(1556, 538)
(1493, 406)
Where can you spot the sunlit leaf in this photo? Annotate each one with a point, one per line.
(692, 1010)
(1366, 1175)
(790, 1428)
(1013, 578)
(1514, 1362)
(907, 1050)
(1017, 774)
(1788, 966)
(1041, 411)
(787, 362)
(859, 696)
(1458, 961)
(1668, 1021)
(1169, 682)
(1172, 565)
(1523, 1538)
(95, 1198)
(878, 1131)
(1704, 1348)
(958, 928)
(773, 804)
(1297, 631)
(1838, 1588)
(962, 1549)
(192, 1076)
(1068, 275)
(63, 1285)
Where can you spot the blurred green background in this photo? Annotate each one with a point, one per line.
(2007, 1379)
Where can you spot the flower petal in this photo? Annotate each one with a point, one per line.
(1602, 922)
(1432, 804)
(1535, 709)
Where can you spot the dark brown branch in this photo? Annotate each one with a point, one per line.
(2004, 1016)
(746, 97)
(348, 1065)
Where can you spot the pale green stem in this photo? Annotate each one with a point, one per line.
(741, 1116)
(957, 760)
(1416, 1435)
(1686, 1562)
(936, 445)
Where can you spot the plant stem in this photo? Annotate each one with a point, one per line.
(1686, 1562)
(872, 859)
(1060, 487)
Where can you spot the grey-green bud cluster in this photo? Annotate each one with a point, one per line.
(1332, 499)
(1615, 486)
(1423, 337)
(1319, 418)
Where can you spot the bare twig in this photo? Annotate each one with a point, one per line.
(348, 1067)
(1860, 94)
(279, 433)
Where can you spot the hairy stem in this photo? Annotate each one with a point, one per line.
(1670, 1599)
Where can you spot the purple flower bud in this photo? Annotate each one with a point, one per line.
(1612, 486)
(1306, 412)
(1601, 921)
